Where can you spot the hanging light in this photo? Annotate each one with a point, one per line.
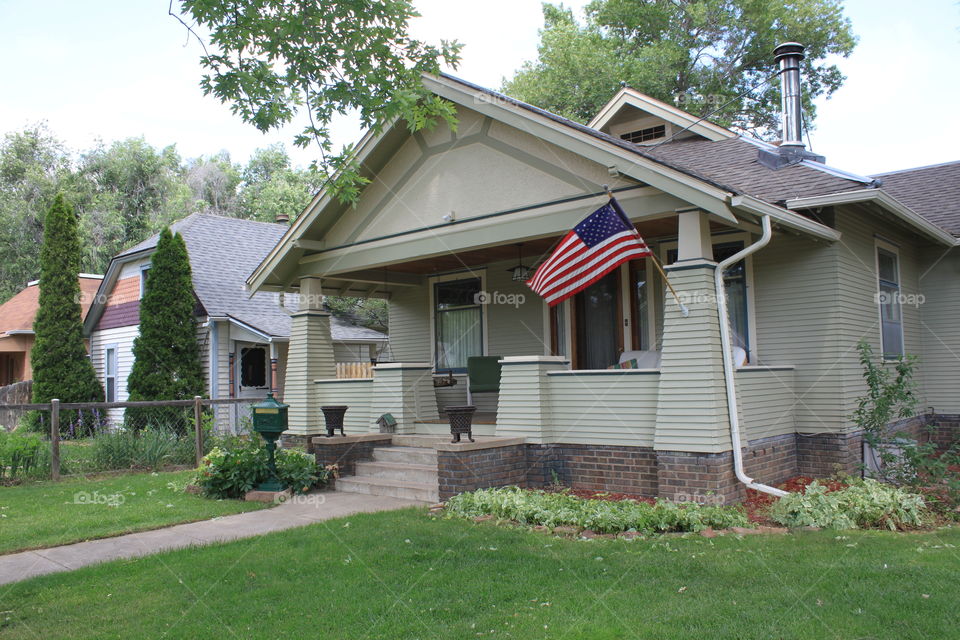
(521, 273)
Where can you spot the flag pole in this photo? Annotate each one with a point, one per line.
(656, 263)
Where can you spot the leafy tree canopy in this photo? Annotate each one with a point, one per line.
(269, 59)
(706, 56)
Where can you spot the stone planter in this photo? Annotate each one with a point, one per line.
(461, 421)
(333, 416)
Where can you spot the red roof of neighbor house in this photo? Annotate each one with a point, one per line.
(17, 313)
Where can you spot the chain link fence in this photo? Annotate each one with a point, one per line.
(60, 438)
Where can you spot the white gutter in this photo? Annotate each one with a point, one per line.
(726, 347)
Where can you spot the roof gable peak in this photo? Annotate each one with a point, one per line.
(630, 113)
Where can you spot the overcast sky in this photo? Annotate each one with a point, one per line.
(112, 69)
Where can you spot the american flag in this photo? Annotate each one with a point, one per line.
(596, 246)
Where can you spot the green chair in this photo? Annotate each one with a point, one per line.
(483, 375)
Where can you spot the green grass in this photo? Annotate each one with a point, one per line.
(403, 575)
(44, 514)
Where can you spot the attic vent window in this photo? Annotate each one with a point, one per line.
(644, 135)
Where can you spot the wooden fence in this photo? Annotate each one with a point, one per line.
(54, 407)
(354, 369)
(16, 393)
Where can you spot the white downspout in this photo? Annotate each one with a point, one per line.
(727, 349)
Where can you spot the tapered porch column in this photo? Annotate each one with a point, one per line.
(309, 357)
(692, 439)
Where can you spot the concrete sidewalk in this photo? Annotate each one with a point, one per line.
(300, 511)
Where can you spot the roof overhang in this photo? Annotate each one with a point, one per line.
(784, 217)
(695, 191)
(888, 203)
(628, 97)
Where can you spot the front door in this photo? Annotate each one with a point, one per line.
(598, 336)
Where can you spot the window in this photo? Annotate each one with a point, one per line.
(638, 305)
(735, 284)
(253, 367)
(458, 317)
(597, 312)
(645, 135)
(110, 373)
(144, 269)
(888, 297)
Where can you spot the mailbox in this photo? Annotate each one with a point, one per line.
(270, 420)
(270, 416)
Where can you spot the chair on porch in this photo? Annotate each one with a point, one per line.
(483, 375)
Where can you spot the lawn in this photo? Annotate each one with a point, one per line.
(44, 514)
(404, 575)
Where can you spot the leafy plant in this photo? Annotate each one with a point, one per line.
(865, 504)
(562, 509)
(903, 460)
(231, 472)
(19, 455)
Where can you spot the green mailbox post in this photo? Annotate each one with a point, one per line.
(270, 420)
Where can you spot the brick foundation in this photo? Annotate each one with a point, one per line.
(772, 460)
(824, 454)
(289, 441)
(619, 469)
(466, 470)
(707, 478)
(945, 430)
(345, 451)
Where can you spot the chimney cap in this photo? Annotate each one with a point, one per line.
(788, 49)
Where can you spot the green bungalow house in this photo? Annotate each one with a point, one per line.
(820, 259)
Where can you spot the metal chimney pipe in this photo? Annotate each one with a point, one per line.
(788, 55)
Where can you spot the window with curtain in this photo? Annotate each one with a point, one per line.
(891, 318)
(110, 374)
(458, 321)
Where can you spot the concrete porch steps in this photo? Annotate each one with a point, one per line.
(408, 472)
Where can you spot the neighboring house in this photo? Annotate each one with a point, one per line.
(16, 327)
(849, 257)
(243, 338)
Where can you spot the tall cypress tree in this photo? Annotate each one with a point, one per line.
(61, 368)
(166, 355)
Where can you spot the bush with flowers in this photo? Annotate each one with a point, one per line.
(233, 471)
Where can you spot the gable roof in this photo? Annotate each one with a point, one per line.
(17, 313)
(628, 96)
(223, 251)
(684, 180)
(933, 192)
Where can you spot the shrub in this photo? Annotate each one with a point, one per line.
(231, 472)
(866, 504)
(556, 509)
(20, 455)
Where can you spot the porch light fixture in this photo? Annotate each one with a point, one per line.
(521, 273)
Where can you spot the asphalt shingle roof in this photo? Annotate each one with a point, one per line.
(223, 252)
(933, 192)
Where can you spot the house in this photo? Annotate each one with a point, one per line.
(817, 259)
(16, 327)
(243, 339)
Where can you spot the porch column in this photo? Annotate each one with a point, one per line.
(523, 409)
(692, 439)
(406, 391)
(309, 357)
